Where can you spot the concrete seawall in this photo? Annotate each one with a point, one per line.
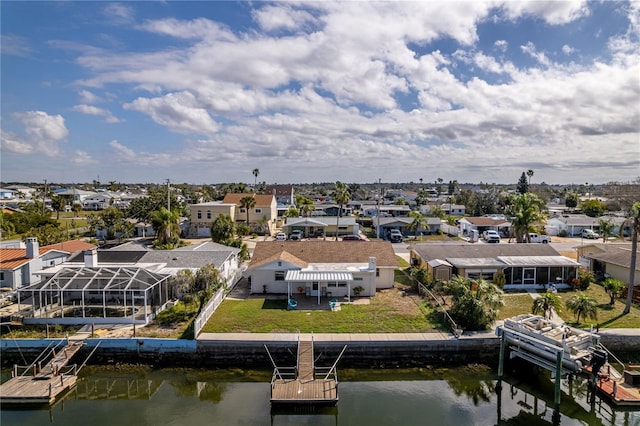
(248, 350)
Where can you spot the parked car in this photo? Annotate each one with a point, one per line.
(281, 236)
(491, 236)
(351, 237)
(395, 236)
(537, 238)
(296, 235)
(589, 234)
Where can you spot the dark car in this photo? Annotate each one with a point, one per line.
(351, 238)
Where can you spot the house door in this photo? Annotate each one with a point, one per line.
(314, 288)
(528, 276)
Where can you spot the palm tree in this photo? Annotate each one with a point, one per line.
(581, 304)
(419, 222)
(635, 218)
(614, 288)
(530, 174)
(546, 304)
(248, 203)
(255, 172)
(606, 226)
(475, 304)
(165, 223)
(58, 204)
(527, 210)
(341, 195)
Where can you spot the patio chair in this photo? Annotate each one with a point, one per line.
(292, 304)
(333, 303)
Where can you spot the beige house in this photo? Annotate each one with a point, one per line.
(262, 216)
(610, 260)
(203, 215)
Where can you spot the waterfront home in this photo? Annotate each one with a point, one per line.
(127, 284)
(610, 260)
(322, 268)
(525, 266)
(19, 265)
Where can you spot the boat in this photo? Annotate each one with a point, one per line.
(536, 336)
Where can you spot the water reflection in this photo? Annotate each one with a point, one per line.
(459, 396)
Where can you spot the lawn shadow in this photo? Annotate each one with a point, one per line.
(617, 317)
(279, 304)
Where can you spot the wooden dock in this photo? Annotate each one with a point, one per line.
(305, 383)
(41, 385)
(625, 395)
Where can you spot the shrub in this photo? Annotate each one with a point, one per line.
(562, 233)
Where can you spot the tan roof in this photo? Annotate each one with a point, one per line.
(262, 200)
(485, 221)
(12, 258)
(72, 246)
(285, 256)
(324, 252)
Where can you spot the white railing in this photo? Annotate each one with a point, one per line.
(215, 301)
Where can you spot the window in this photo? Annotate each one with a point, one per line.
(357, 278)
(332, 284)
(377, 272)
(199, 214)
(279, 275)
(342, 284)
(243, 210)
(258, 210)
(1, 276)
(208, 214)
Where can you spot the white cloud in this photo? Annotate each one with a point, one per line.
(119, 13)
(530, 49)
(82, 158)
(567, 50)
(552, 11)
(273, 17)
(43, 133)
(15, 45)
(87, 97)
(199, 28)
(101, 112)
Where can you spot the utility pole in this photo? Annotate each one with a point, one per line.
(168, 195)
(378, 207)
(44, 196)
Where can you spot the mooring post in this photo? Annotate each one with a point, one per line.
(15, 370)
(501, 360)
(556, 396)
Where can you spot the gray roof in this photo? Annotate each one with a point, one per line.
(616, 254)
(384, 221)
(429, 251)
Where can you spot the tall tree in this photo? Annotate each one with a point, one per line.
(166, 225)
(255, 172)
(248, 202)
(571, 200)
(635, 230)
(341, 196)
(523, 184)
(418, 223)
(526, 210)
(58, 204)
(593, 207)
(530, 175)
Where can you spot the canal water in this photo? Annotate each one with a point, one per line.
(459, 396)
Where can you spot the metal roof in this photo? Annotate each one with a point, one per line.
(99, 279)
(306, 276)
(437, 262)
(479, 262)
(538, 261)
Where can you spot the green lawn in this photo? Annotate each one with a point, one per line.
(271, 316)
(608, 316)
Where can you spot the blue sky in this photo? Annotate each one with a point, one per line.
(205, 92)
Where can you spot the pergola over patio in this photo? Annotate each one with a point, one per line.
(318, 278)
(86, 295)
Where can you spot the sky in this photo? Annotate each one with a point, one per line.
(353, 91)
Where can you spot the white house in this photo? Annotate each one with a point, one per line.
(322, 268)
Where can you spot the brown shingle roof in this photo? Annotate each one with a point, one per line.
(262, 200)
(72, 246)
(325, 252)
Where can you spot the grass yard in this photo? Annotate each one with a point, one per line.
(608, 316)
(388, 312)
(515, 304)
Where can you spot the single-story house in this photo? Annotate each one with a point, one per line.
(485, 223)
(322, 268)
(311, 226)
(385, 210)
(572, 224)
(525, 266)
(610, 260)
(386, 224)
(127, 284)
